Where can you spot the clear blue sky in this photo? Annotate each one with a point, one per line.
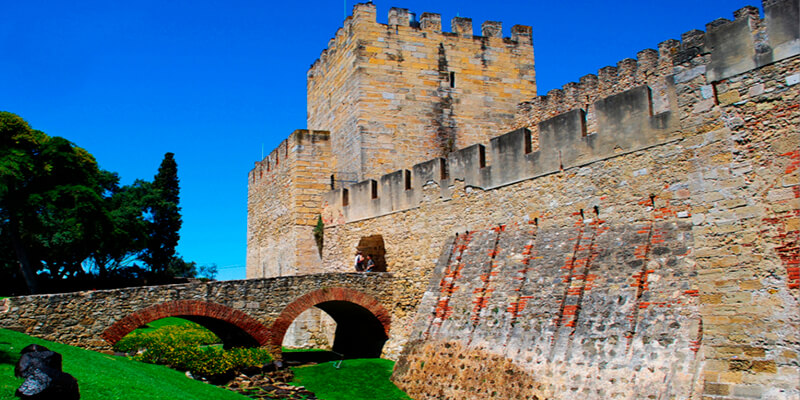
(215, 81)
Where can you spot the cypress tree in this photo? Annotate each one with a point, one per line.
(166, 217)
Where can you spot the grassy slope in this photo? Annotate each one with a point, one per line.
(104, 377)
(366, 379)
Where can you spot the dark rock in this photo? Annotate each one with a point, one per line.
(33, 347)
(44, 379)
(34, 357)
(36, 383)
(49, 384)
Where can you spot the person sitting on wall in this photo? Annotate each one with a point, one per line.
(370, 263)
(359, 262)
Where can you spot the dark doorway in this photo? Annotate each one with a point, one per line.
(359, 334)
(373, 246)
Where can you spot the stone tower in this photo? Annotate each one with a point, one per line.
(397, 94)
(382, 97)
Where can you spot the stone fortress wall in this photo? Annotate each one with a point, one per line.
(399, 93)
(284, 194)
(637, 236)
(386, 95)
(282, 206)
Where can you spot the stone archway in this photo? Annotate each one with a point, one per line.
(373, 245)
(235, 328)
(362, 323)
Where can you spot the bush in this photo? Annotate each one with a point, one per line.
(190, 348)
(171, 335)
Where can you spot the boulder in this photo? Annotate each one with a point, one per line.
(44, 379)
(49, 384)
(35, 357)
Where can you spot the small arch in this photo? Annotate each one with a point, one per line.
(235, 328)
(373, 246)
(362, 323)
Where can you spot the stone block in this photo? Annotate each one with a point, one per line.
(729, 97)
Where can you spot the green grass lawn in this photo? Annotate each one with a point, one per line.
(366, 379)
(104, 377)
(169, 321)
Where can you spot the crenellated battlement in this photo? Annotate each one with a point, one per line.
(728, 47)
(283, 193)
(283, 157)
(625, 122)
(428, 24)
(618, 110)
(398, 93)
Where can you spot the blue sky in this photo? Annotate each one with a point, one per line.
(216, 81)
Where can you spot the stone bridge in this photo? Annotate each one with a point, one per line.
(254, 312)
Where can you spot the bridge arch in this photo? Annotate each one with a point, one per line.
(362, 323)
(235, 328)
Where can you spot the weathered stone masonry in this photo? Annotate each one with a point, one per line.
(282, 212)
(639, 240)
(250, 312)
(636, 236)
(386, 96)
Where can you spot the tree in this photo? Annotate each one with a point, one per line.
(208, 271)
(51, 201)
(19, 147)
(165, 218)
(62, 217)
(180, 268)
(115, 252)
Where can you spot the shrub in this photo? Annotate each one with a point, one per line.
(190, 348)
(172, 335)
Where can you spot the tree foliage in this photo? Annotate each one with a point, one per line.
(165, 224)
(62, 217)
(51, 200)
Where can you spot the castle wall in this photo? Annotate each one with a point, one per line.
(333, 92)
(656, 234)
(284, 193)
(396, 94)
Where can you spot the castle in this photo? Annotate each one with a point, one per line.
(635, 234)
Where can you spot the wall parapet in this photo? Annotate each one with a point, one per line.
(279, 159)
(428, 24)
(620, 110)
(626, 123)
(731, 47)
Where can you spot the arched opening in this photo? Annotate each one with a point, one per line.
(230, 334)
(362, 324)
(359, 334)
(313, 329)
(233, 327)
(373, 246)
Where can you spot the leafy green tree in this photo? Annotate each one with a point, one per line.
(71, 215)
(62, 217)
(115, 252)
(165, 222)
(51, 201)
(180, 268)
(19, 148)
